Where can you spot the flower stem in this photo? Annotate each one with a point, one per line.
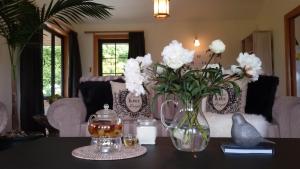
(190, 118)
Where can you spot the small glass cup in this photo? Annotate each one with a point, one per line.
(130, 141)
(129, 134)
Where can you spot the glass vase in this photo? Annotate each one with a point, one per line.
(189, 130)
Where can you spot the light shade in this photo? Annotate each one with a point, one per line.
(196, 42)
(161, 8)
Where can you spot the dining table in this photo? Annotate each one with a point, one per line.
(55, 153)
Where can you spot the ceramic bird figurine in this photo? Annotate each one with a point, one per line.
(243, 133)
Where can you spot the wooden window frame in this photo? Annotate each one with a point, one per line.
(290, 52)
(100, 59)
(65, 57)
(97, 40)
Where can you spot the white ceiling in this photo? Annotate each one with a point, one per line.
(133, 11)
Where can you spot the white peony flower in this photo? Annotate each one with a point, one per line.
(175, 56)
(214, 66)
(132, 66)
(135, 88)
(136, 75)
(159, 70)
(236, 69)
(133, 77)
(227, 72)
(251, 64)
(139, 59)
(147, 60)
(217, 46)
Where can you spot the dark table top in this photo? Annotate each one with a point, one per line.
(55, 153)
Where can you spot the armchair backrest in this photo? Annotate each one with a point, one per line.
(3, 117)
(99, 78)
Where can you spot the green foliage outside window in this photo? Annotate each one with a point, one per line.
(114, 58)
(47, 70)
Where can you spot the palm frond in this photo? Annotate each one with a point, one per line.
(18, 18)
(68, 11)
(21, 19)
(9, 14)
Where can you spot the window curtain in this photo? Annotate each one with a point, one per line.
(136, 44)
(74, 65)
(31, 84)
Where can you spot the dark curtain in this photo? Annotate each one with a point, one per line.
(74, 65)
(136, 44)
(31, 85)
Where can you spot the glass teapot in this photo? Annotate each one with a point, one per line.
(105, 128)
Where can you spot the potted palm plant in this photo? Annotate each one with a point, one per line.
(21, 19)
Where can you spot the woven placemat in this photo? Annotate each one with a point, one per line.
(90, 153)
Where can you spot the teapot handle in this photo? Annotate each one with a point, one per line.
(162, 117)
(91, 117)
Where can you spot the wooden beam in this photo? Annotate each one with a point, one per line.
(112, 32)
(57, 29)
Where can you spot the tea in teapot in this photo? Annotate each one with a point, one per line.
(105, 128)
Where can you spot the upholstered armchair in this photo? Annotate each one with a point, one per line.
(3, 117)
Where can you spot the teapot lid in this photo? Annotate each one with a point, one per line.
(106, 110)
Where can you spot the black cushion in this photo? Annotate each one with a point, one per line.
(261, 95)
(95, 94)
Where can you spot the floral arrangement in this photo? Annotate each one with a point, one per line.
(175, 76)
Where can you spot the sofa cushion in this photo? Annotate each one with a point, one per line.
(261, 95)
(228, 101)
(127, 105)
(95, 94)
(220, 124)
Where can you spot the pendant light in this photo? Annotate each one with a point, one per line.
(161, 9)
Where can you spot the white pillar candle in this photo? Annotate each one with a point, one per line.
(146, 131)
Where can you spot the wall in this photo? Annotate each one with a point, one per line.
(297, 34)
(5, 77)
(159, 34)
(272, 18)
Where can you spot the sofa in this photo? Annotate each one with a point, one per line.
(3, 117)
(68, 115)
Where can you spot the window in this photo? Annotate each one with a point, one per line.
(113, 54)
(52, 63)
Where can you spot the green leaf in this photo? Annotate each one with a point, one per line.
(21, 19)
(196, 91)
